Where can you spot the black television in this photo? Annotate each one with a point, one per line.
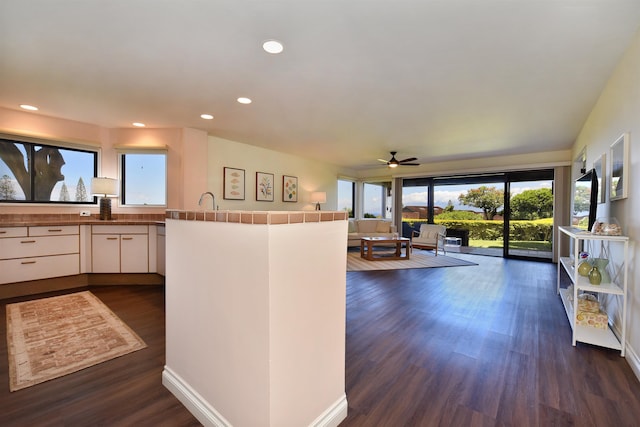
(585, 200)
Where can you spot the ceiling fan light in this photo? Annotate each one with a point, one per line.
(393, 165)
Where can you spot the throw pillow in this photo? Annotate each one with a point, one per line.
(352, 227)
(382, 227)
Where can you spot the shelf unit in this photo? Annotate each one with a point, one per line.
(618, 286)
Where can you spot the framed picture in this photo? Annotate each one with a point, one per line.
(233, 184)
(289, 188)
(264, 187)
(618, 168)
(600, 166)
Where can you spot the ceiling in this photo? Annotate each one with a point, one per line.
(433, 79)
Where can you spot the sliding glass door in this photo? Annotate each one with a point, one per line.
(530, 219)
(503, 214)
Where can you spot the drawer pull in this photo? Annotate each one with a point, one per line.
(127, 238)
(27, 262)
(51, 230)
(3, 231)
(27, 241)
(112, 238)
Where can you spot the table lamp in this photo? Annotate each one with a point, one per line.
(105, 187)
(318, 197)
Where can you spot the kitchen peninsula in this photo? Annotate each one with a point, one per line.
(255, 312)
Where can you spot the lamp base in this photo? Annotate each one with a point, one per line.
(105, 208)
(318, 206)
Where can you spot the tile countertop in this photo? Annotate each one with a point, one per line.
(34, 220)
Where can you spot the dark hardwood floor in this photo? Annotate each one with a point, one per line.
(485, 345)
(126, 391)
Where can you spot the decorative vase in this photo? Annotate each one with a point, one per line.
(602, 263)
(595, 278)
(583, 268)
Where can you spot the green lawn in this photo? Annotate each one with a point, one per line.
(513, 244)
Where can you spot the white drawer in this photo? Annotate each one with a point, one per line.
(54, 230)
(27, 247)
(20, 270)
(120, 229)
(13, 231)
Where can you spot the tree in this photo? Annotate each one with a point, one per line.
(47, 163)
(532, 204)
(81, 192)
(449, 207)
(7, 192)
(64, 193)
(489, 199)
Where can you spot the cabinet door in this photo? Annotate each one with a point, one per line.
(134, 253)
(105, 253)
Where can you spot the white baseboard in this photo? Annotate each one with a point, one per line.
(208, 416)
(334, 414)
(199, 407)
(633, 360)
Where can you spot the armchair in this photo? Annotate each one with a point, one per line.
(431, 236)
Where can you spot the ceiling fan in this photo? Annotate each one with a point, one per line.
(394, 163)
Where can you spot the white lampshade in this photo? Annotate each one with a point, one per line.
(104, 187)
(318, 197)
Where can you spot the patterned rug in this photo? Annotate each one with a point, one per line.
(51, 337)
(418, 259)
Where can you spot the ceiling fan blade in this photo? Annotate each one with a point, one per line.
(410, 159)
(383, 161)
(409, 164)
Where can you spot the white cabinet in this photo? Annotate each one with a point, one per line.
(32, 253)
(120, 248)
(616, 289)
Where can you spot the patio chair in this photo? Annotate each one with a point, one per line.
(431, 236)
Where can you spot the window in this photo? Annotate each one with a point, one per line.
(32, 172)
(377, 200)
(346, 196)
(144, 178)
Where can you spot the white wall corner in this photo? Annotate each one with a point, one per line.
(333, 415)
(194, 403)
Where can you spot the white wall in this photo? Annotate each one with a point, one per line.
(312, 176)
(547, 159)
(186, 148)
(618, 111)
(256, 322)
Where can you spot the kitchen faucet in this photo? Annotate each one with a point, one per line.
(213, 200)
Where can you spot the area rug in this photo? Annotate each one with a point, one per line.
(51, 337)
(417, 260)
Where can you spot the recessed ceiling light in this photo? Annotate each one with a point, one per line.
(206, 116)
(273, 46)
(28, 107)
(243, 100)
(138, 124)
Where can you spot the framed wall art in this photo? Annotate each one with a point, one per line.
(289, 188)
(600, 167)
(233, 184)
(264, 187)
(618, 168)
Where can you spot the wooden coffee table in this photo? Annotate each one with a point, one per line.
(370, 242)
